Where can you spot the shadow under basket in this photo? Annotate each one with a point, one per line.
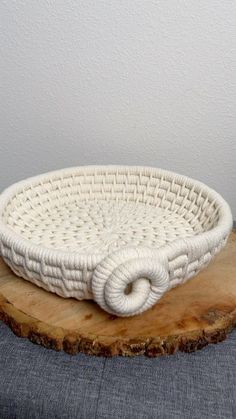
(120, 235)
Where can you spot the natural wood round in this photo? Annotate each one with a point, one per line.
(187, 318)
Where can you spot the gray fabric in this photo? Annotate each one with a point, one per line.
(40, 383)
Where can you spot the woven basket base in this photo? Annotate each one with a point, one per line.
(189, 317)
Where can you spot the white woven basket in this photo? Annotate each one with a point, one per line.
(90, 232)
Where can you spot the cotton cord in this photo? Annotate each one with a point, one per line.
(121, 235)
(139, 268)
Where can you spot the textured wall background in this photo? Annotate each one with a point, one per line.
(129, 82)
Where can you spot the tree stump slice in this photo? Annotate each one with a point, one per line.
(187, 318)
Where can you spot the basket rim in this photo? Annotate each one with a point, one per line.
(84, 259)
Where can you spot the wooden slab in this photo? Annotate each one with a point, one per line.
(189, 317)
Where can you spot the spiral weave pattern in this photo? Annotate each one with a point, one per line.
(121, 235)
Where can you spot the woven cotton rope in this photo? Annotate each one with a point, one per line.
(101, 226)
(97, 231)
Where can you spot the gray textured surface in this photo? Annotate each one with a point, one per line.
(40, 383)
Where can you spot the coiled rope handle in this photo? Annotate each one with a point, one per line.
(139, 268)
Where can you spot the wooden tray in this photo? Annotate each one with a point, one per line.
(189, 317)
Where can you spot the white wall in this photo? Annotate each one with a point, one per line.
(130, 82)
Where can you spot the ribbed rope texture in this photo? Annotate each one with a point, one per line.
(121, 235)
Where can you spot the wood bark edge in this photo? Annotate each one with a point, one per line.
(73, 342)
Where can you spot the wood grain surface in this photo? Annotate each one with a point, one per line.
(187, 318)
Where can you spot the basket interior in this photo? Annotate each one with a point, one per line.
(103, 211)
